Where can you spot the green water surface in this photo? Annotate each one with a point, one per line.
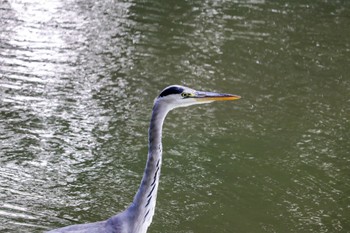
(77, 84)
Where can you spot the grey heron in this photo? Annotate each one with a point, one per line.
(138, 216)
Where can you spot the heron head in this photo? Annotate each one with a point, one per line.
(179, 96)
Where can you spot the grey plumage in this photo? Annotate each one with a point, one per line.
(138, 216)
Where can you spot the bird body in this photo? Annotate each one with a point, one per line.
(138, 216)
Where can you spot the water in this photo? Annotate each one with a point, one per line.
(77, 83)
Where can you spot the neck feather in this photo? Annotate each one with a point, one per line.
(144, 202)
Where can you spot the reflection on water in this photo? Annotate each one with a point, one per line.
(77, 83)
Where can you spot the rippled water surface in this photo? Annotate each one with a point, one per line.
(77, 83)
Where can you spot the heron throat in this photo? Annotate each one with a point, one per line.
(145, 198)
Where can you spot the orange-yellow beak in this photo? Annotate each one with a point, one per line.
(212, 96)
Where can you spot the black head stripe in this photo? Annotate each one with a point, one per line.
(171, 90)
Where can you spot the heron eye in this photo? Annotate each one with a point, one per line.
(185, 95)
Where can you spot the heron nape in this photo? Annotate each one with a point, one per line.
(138, 216)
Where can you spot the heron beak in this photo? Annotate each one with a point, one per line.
(212, 96)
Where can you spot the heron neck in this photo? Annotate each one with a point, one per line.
(145, 199)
